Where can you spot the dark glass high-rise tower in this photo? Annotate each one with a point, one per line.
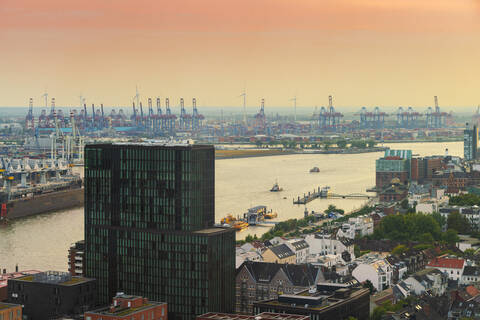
(149, 215)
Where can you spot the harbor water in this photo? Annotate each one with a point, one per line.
(41, 242)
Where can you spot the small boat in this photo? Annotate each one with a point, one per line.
(229, 219)
(314, 169)
(276, 188)
(240, 225)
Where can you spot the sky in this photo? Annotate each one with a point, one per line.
(363, 52)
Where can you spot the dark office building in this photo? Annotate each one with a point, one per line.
(52, 294)
(331, 301)
(470, 142)
(149, 215)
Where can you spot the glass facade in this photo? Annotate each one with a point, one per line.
(149, 211)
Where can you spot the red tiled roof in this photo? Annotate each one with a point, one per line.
(450, 263)
(472, 291)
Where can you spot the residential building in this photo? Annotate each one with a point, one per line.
(429, 280)
(4, 281)
(279, 254)
(51, 294)
(9, 311)
(356, 227)
(470, 142)
(322, 245)
(262, 316)
(326, 301)
(376, 269)
(127, 307)
(470, 275)
(149, 216)
(263, 280)
(298, 246)
(241, 255)
(75, 258)
(301, 249)
(453, 267)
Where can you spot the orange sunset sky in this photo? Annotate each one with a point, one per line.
(363, 52)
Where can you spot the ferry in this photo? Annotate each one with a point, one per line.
(228, 219)
(314, 170)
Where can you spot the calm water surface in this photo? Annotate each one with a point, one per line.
(42, 242)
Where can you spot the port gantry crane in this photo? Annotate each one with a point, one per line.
(170, 118)
(30, 119)
(260, 119)
(436, 119)
(197, 118)
(185, 118)
(158, 117)
(407, 118)
(329, 119)
(372, 120)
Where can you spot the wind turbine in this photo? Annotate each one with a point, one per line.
(46, 98)
(294, 99)
(82, 100)
(244, 95)
(137, 96)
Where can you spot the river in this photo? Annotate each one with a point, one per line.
(41, 242)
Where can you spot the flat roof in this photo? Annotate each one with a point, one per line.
(120, 312)
(212, 230)
(53, 277)
(4, 305)
(263, 315)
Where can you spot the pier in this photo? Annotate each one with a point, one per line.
(324, 193)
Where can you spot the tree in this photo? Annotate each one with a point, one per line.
(469, 253)
(341, 143)
(258, 143)
(371, 143)
(404, 204)
(458, 222)
(368, 284)
(327, 144)
(426, 238)
(356, 251)
(451, 236)
(398, 250)
(441, 220)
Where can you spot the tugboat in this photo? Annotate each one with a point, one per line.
(276, 188)
(314, 170)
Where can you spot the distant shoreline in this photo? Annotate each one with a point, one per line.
(253, 153)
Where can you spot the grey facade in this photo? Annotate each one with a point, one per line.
(262, 280)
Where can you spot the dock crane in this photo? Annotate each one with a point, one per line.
(29, 119)
(159, 117)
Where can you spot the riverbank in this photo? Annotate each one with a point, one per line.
(249, 153)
